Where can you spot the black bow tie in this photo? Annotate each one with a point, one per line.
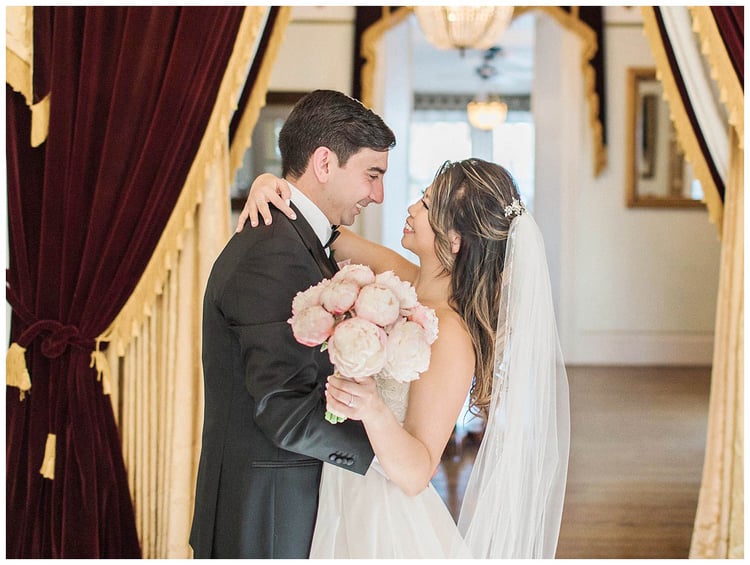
(334, 234)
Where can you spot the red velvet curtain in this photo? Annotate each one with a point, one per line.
(731, 23)
(132, 89)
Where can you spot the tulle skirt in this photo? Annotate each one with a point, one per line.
(361, 517)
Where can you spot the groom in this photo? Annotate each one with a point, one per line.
(264, 431)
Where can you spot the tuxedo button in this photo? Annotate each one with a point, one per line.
(332, 457)
(349, 462)
(339, 460)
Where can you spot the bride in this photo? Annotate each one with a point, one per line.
(482, 268)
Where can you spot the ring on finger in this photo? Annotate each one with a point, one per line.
(351, 400)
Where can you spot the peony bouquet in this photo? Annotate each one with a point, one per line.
(370, 324)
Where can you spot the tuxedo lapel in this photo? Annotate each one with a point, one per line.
(327, 266)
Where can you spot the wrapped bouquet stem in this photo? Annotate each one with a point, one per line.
(369, 324)
(332, 416)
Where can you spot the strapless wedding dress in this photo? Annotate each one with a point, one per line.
(368, 516)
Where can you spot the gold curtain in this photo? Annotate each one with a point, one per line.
(19, 67)
(153, 367)
(684, 129)
(257, 100)
(731, 91)
(719, 522)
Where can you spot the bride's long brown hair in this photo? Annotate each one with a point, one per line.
(469, 197)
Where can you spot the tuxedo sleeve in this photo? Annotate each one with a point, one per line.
(285, 378)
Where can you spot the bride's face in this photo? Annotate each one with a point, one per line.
(418, 236)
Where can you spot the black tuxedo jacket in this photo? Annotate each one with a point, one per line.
(264, 432)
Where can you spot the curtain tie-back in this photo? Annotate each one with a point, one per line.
(53, 346)
(59, 338)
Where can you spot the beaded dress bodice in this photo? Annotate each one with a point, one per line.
(395, 394)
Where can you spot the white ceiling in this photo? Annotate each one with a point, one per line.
(441, 71)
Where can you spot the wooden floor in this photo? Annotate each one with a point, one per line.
(638, 437)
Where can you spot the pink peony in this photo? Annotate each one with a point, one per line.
(408, 352)
(370, 325)
(339, 296)
(360, 274)
(310, 297)
(426, 318)
(312, 326)
(407, 295)
(377, 304)
(357, 348)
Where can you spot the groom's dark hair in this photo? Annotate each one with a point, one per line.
(327, 118)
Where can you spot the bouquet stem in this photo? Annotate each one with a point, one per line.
(334, 418)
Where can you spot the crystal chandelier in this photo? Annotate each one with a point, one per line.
(487, 114)
(487, 111)
(463, 27)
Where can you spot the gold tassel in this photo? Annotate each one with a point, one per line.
(16, 373)
(48, 465)
(103, 372)
(39, 121)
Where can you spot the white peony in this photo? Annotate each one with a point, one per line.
(310, 297)
(407, 295)
(357, 348)
(377, 304)
(426, 318)
(408, 352)
(339, 296)
(312, 326)
(360, 274)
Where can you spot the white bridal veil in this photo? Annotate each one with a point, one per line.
(514, 498)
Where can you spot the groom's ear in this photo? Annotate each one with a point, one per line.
(455, 238)
(321, 162)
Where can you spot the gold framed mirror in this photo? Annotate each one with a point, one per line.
(657, 175)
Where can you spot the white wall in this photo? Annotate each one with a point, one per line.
(632, 286)
(394, 103)
(550, 115)
(637, 286)
(317, 51)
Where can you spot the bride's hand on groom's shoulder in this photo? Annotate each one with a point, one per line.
(266, 189)
(357, 399)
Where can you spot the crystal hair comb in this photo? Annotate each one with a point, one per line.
(516, 208)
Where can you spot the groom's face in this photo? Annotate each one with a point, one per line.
(355, 185)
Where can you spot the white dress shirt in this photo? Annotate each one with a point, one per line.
(314, 215)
